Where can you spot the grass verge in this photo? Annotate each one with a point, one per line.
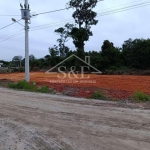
(141, 97)
(99, 95)
(23, 85)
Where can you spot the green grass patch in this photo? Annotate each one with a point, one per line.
(23, 85)
(99, 95)
(141, 97)
(44, 89)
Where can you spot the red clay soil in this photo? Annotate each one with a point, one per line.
(115, 86)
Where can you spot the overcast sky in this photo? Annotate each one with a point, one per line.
(116, 27)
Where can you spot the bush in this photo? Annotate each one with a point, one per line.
(23, 85)
(99, 95)
(141, 97)
(44, 89)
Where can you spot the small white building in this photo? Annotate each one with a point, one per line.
(1, 65)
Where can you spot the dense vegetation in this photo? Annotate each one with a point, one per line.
(134, 54)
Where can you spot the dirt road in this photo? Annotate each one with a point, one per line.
(34, 121)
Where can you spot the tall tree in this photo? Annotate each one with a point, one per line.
(32, 57)
(84, 17)
(64, 33)
(136, 53)
(54, 55)
(110, 55)
(54, 51)
(127, 52)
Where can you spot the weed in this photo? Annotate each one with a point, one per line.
(141, 97)
(99, 95)
(23, 85)
(45, 89)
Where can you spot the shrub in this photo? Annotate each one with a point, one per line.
(23, 85)
(141, 97)
(45, 89)
(99, 95)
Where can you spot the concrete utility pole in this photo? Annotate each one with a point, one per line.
(27, 76)
(25, 14)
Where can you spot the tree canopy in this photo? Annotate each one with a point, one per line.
(84, 17)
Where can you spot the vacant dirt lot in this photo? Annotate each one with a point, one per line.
(118, 82)
(115, 86)
(34, 121)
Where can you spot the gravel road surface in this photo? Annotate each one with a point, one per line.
(33, 121)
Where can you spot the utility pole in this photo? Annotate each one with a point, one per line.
(25, 13)
(27, 76)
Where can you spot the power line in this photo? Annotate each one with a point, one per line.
(50, 11)
(9, 25)
(12, 36)
(56, 10)
(1, 15)
(117, 11)
(55, 24)
(70, 7)
(119, 5)
(52, 24)
(9, 34)
(130, 7)
(99, 15)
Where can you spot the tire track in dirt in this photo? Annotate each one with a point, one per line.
(57, 122)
